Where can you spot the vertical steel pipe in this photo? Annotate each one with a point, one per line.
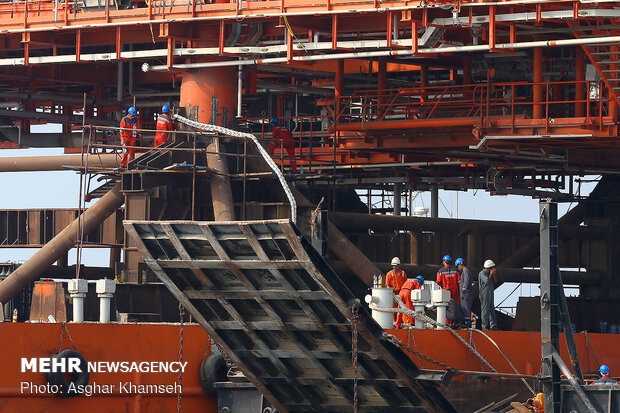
(434, 201)
(221, 191)
(538, 87)
(348, 253)
(398, 189)
(339, 85)
(580, 76)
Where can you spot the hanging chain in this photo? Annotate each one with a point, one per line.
(229, 362)
(394, 340)
(62, 333)
(180, 380)
(592, 347)
(354, 333)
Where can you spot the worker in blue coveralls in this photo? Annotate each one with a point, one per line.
(487, 280)
(466, 290)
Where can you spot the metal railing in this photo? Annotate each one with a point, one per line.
(411, 103)
(310, 132)
(517, 102)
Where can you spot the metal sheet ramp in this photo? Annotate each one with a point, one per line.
(279, 311)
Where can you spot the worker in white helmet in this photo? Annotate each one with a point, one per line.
(396, 277)
(487, 280)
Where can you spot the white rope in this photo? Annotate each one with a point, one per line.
(261, 150)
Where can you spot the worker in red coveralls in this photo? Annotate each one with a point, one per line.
(128, 137)
(283, 138)
(448, 278)
(164, 123)
(395, 279)
(405, 295)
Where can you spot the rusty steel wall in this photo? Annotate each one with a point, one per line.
(429, 248)
(33, 228)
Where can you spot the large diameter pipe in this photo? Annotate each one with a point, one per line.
(350, 255)
(58, 163)
(32, 269)
(382, 223)
(221, 191)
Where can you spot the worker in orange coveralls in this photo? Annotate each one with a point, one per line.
(128, 137)
(395, 279)
(164, 123)
(283, 138)
(448, 278)
(405, 296)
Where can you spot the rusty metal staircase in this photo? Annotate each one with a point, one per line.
(605, 57)
(261, 290)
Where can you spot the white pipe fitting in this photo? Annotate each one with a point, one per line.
(77, 290)
(382, 297)
(105, 292)
(440, 299)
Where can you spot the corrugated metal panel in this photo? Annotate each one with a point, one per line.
(280, 312)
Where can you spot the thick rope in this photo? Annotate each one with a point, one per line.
(426, 319)
(261, 150)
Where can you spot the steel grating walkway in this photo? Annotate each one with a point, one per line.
(268, 298)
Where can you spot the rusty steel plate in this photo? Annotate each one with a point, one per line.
(283, 316)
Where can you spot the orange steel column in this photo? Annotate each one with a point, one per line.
(423, 80)
(381, 81)
(382, 73)
(339, 85)
(214, 93)
(538, 87)
(580, 88)
(211, 90)
(613, 106)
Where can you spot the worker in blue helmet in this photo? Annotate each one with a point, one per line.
(466, 288)
(605, 379)
(129, 136)
(405, 296)
(448, 278)
(283, 139)
(164, 125)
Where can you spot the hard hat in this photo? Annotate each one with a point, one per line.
(274, 120)
(447, 258)
(165, 109)
(459, 261)
(489, 264)
(604, 370)
(132, 111)
(420, 279)
(395, 261)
